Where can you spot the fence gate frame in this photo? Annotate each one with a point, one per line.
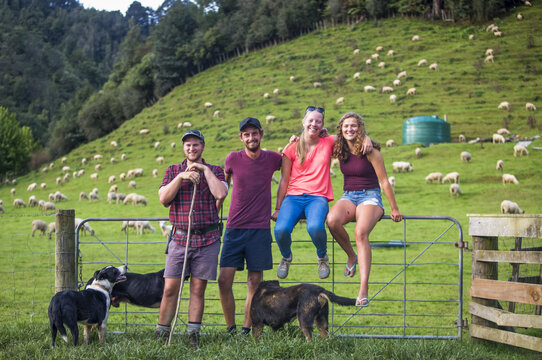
(460, 245)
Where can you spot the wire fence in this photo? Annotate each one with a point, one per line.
(415, 284)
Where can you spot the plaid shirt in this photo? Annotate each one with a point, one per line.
(204, 213)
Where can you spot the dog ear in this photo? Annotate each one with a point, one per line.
(96, 274)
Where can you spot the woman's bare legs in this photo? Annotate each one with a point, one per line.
(340, 214)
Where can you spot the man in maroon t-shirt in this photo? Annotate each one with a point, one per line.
(248, 233)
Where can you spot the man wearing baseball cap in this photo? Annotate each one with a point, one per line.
(202, 255)
(248, 234)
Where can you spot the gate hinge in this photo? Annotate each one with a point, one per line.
(462, 245)
(464, 323)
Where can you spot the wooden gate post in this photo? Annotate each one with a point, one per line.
(484, 270)
(65, 278)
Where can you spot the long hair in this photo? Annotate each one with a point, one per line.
(301, 148)
(340, 149)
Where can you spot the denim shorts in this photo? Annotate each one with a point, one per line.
(365, 197)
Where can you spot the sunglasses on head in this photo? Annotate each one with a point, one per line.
(313, 108)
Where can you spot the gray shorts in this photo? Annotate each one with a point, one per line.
(202, 262)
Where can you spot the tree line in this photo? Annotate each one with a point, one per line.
(72, 75)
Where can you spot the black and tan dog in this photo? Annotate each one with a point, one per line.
(275, 306)
(139, 289)
(89, 306)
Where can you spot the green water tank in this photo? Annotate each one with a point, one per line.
(426, 130)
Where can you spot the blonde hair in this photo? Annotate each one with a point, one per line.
(340, 149)
(301, 148)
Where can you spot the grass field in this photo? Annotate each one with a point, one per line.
(465, 89)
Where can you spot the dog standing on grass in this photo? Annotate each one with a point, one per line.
(89, 306)
(275, 306)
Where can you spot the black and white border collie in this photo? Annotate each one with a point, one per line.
(89, 307)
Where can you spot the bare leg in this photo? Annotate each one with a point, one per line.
(197, 300)
(253, 280)
(340, 214)
(225, 281)
(168, 306)
(366, 218)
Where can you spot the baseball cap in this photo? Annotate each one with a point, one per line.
(250, 121)
(193, 132)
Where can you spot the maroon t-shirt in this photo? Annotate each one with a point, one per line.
(359, 174)
(250, 206)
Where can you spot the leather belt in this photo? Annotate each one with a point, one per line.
(197, 231)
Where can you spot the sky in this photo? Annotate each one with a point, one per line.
(121, 5)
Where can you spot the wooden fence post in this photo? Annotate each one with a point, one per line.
(484, 270)
(65, 278)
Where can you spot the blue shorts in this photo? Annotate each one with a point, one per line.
(365, 197)
(252, 245)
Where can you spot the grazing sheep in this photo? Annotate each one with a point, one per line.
(51, 165)
(94, 196)
(166, 229)
(490, 27)
(138, 172)
(39, 225)
(489, 58)
(402, 74)
(208, 104)
(396, 82)
(81, 172)
(123, 157)
(179, 125)
(120, 197)
(338, 101)
(411, 91)
(509, 178)
(52, 229)
(510, 207)
(402, 166)
(113, 188)
(317, 84)
(422, 62)
(187, 124)
(356, 51)
(44, 170)
(489, 52)
(85, 227)
(139, 199)
(216, 113)
(418, 152)
(160, 159)
(390, 143)
(292, 78)
(266, 95)
(497, 138)
(461, 138)
(32, 187)
(375, 56)
(391, 180)
(144, 131)
(471, 37)
(390, 53)
(505, 105)
(122, 176)
(155, 172)
(357, 75)
(466, 156)
(97, 157)
(379, 48)
(94, 176)
(112, 196)
(455, 190)
(19, 203)
(32, 201)
(129, 198)
(433, 176)
(500, 165)
(393, 98)
(433, 66)
(12, 191)
(335, 163)
(157, 144)
(173, 145)
(60, 197)
(75, 174)
(451, 176)
(522, 150)
(368, 61)
(270, 118)
(83, 161)
(111, 179)
(113, 143)
(128, 224)
(530, 106)
(381, 65)
(503, 131)
(387, 89)
(43, 186)
(63, 160)
(48, 206)
(98, 167)
(519, 16)
(83, 196)
(132, 184)
(416, 38)
(498, 33)
(51, 197)
(276, 91)
(66, 177)
(528, 3)
(368, 88)
(141, 226)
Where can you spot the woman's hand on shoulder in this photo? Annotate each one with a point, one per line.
(367, 146)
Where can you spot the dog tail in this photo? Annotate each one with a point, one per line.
(341, 300)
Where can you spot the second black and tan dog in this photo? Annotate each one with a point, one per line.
(275, 306)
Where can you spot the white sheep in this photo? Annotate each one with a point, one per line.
(498, 33)
(63, 160)
(83, 161)
(83, 196)
(455, 190)
(123, 157)
(94, 176)
(122, 176)
(402, 166)
(144, 131)
(490, 27)
(379, 48)
(503, 131)
(12, 191)
(32, 187)
(390, 53)
(500, 165)
(356, 51)
(505, 105)
(530, 106)
(461, 138)
(453, 176)
(44, 170)
(411, 91)
(132, 184)
(416, 38)
(111, 179)
(317, 84)
(387, 89)
(208, 104)
(402, 74)
(292, 78)
(528, 3)
(390, 143)
(173, 145)
(489, 52)
(519, 16)
(433, 176)
(216, 113)
(497, 138)
(509, 178)
(422, 62)
(187, 124)
(43, 186)
(391, 180)
(393, 98)
(157, 144)
(48, 206)
(113, 143)
(120, 197)
(51, 197)
(179, 125)
(85, 227)
(433, 66)
(337, 102)
(51, 165)
(266, 95)
(113, 160)
(19, 203)
(368, 61)
(381, 65)
(141, 226)
(128, 224)
(489, 58)
(418, 152)
(112, 196)
(471, 37)
(129, 198)
(81, 172)
(98, 167)
(139, 199)
(97, 157)
(94, 196)
(60, 197)
(75, 174)
(357, 75)
(113, 188)
(465, 156)
(160, 159)
(276, 91)
(166, 229)
(368, 88)
(39, 225)
(510, 207)
(521, 150)
(155, 172)
(396, 82)
(375, 56)
(52, 229)
(66, 177)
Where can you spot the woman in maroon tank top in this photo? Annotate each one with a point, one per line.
(361, 201)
